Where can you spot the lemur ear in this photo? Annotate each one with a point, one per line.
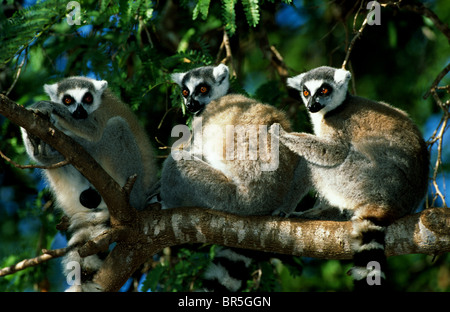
(295, 82)
(178, 78)
(342, 76)
(221, 72)
(100, 85)
(51, 90)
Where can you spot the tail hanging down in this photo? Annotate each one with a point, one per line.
(368, 245)
(228, 271)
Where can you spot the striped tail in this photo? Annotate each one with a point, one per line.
(228, 271)
(368, 244)
(80, 271)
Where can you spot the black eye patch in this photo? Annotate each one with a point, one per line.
(325, 89)
(306, 92)
(202, 89)
(88, 98)
(185, 92)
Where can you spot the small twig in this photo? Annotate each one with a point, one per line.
(271, 53)
(218, 58)
(279, 64)
(55, 252)
(438, 136)
(54, 166)
(356, 15)
(164, 117)
(46, 256)
(163, 146)
(424, 11)
(352, 43)
(63, 224)
(229, 55)
(19, 70)
(354, 78)
(98, 244)
(436, 81)
(128, 187)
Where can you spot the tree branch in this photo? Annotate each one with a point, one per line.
(352, 43)
(427, 233)
(54, 166)
(421, 9)
(46, 256)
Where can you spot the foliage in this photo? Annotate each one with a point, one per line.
(137, 44)
(179, 273)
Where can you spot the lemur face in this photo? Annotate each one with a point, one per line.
(80, 95)
(321, 89)
(202, 85)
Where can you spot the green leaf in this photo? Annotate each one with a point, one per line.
(392, 31)
(251, 8)
(202, 7)
(26, 26)
(152, 279)
(229, 16)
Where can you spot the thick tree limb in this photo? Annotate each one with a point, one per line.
(427, 233)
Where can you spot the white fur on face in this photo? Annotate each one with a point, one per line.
(312, 86)
(77, 93)
(220, 90)
(192, 83)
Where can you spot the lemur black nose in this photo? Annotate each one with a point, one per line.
(314, 107)
(194, 106)
(80, 113)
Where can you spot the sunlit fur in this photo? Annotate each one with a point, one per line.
(112, 135)
(212, 181)
(367, 158)
(236, 186)
(215, 79)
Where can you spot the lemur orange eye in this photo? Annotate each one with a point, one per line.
(203, 89)
(67, 100)
(88, 99)
(305, 93)
(325, 91)
(185, 92)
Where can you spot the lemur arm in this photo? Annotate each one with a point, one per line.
(195, 183)
(314, 149)
(119, 154)
(89, 129)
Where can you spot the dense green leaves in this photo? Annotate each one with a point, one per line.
(251, 8)
(229, 16)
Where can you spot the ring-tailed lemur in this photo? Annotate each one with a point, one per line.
(219, 177)
(88, 112)
(381, 161)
